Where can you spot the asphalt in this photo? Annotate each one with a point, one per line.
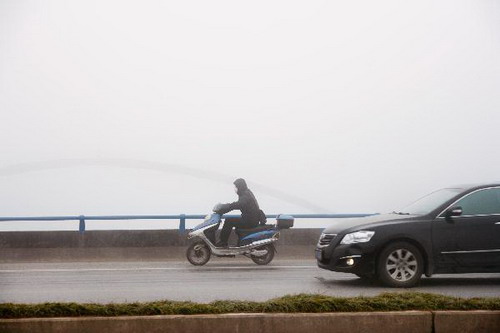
(221, 278)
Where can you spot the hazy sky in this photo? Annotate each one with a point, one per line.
(154, 107)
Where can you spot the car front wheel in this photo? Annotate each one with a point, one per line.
(400, 265)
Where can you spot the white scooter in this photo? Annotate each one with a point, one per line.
(256, 243)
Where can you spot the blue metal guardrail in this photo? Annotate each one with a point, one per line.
(182, 218)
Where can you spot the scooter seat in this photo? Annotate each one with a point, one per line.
(245, 232)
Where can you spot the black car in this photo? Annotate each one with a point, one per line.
(452, 230)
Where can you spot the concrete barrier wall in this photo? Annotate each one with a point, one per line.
(125, 245)
(126, 238)
(467, 321)
(373, 322)
(404, 322)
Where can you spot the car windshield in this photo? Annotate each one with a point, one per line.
(430, 202)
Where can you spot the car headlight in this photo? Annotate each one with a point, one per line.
(358, 237)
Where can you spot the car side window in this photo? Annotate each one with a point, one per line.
(483, 202)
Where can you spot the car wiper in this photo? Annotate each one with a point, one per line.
(400, 213)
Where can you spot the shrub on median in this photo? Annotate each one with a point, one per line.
(287, 304)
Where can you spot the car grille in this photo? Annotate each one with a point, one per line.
(326, 239)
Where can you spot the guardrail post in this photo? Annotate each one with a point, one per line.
(182, 223)
(81, 228)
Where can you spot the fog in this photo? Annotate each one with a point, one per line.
(155, 107)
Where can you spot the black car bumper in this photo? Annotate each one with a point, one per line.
(355, 258)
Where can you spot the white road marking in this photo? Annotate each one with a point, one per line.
(146, 269)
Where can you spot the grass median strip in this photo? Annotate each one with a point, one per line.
(287, 304)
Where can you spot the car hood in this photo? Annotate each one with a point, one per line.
(342, 224)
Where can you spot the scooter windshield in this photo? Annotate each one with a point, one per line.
(209, 220)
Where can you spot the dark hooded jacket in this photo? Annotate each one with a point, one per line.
(247, 204)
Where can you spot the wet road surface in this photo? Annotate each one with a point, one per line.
(236, 279)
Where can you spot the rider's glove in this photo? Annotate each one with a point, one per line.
(217, 208)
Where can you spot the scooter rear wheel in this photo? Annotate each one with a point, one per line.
(266, 258)
(198, 253)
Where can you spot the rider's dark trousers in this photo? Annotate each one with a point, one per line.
(235, 222)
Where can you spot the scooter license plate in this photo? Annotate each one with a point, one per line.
(319, 254)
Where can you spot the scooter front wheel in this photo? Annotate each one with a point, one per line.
(266, 258)
(198, 253)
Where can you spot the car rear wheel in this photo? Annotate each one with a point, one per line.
(400, 265)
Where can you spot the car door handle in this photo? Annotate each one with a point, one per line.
(498, 222)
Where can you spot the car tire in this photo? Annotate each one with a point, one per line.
(400, 265)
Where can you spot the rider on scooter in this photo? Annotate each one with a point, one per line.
(251, 214)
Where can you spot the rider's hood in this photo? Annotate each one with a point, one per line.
(241, 185)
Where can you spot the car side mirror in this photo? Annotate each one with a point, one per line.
(453, 212)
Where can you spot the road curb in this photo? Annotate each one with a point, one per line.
(407, 322)
(467, 321)
(373, 322)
